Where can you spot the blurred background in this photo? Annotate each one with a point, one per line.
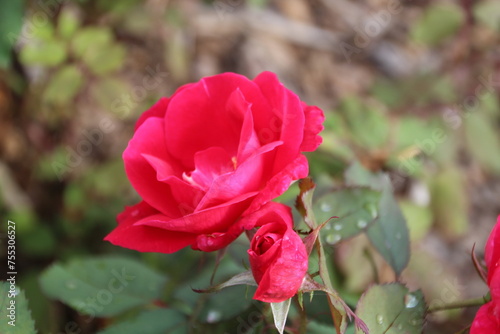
(408, 87)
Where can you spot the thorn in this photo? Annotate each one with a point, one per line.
(480, 270)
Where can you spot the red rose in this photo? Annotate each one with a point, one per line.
(278, 257)
(215, 151)
(487, 320)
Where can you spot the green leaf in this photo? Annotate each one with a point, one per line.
(226, 303)
(90, 38)
(64, 85)
(488, 13)
(369, 126)
(11, 20)
(411, 131)
(104, 286)
(48, 53)
(280, 313)
(389, 232)
(104, 59)
(244, 278)
(41, 33)
(96, 47)
(314, 327)
(355, 207)
(39, 242)
(149, 322)
(391, 308)
(483, 141)
(339, 309)
(109, 91)
(356, 175)
(449, 203)
(439, 21)
(14, 312)
(68, 23)
(419, 219)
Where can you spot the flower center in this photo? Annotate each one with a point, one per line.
(266, 242)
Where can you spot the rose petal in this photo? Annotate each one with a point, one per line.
(210, 164)
(280, 270)
(313, 126)
(249, 142)
(157, 110)
(279, 183)
(288, 119)
(270, 212)
(211, 220)
(192, 128)
(485, 321)
(494, 285)
(145, 159)
(492, 250)
(214, 241)
(145, 238)
(248, 177)
(284, 276)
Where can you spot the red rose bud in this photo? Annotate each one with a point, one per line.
(487, 320)
(214, 152)
(278, 257)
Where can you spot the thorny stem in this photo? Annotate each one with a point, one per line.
(325, 277)
(460, 304)
(477, 265)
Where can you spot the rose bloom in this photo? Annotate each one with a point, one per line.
(215, 151)
(487, 320)
(277, 255)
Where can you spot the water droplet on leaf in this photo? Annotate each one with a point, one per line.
(398, 236)
(337, 227)
(71, 285)
(372, 209)
(325, 207)
(380, 319)
(333, 238)
(410, 301)
(213, 316)
(361, 223)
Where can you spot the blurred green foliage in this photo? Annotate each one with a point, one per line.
(401, 128)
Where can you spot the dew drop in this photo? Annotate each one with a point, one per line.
(332, 239)
(398, 236)
(400, 327)
(361, 223)
(414, 322)
(213, 316)
(372, 209)
(325, 207)
(380, 319)
(328, 226)
(71, 285)
(337, 227)
(410, 301)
